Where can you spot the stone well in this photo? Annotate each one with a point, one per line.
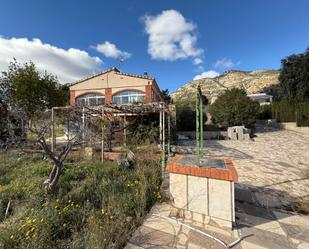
(206, 193)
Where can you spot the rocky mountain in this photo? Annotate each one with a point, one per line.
(251, 81)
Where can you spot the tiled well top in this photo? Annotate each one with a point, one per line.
(181, 165)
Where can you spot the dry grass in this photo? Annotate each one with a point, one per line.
(96, 205)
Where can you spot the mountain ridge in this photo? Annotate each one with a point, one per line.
(252, 81)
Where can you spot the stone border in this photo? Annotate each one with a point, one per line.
(229, 174)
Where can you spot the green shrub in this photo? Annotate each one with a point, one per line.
(185, 117)
(96, 205)
(265, 112)
(143, 132)
(234, 107)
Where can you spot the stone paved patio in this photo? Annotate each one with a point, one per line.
(271, 176)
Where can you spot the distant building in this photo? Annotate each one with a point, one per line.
(113, 86)
(262, 98)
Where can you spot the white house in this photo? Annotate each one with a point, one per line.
(262, 98)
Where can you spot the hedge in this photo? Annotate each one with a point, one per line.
(284, 111)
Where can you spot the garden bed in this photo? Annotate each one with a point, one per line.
(95, 206)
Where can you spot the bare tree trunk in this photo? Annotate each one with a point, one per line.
(56, 177)
(52, 173)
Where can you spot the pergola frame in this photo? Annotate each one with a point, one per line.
(107, 111)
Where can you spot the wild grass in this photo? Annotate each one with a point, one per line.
(95, 206)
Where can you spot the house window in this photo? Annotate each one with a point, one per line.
(129, 97)
(90, 99)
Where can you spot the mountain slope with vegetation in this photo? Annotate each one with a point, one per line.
(251, 81)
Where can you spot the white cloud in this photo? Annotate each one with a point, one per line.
(207, 74)
(197, 61)
(171, 36)
(110, 50)
(225, 63)
(68, 65)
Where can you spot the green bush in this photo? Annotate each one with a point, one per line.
(143, 131)
(265, 112)
(96, 205)
(186, 115)
(234, 107)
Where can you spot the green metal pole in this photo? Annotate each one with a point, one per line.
(201, 124)
(169, 136)
(197, 135)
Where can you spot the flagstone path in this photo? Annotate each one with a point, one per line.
(272, 176)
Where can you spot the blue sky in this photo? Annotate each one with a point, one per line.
(173, 40)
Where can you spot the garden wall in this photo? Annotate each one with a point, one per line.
(291, 126)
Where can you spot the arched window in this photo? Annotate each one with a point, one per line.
(129, 97)
(90, 99)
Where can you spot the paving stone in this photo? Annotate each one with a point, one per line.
(296, 232)
(254, 211)
(292, 219)
(162, 225)
(243, 195)
(271, 174)
(303, 246)
(248, 245)
(267, 239)
(131, 246)
(245, 220)
(201, 241)
(275, 162)
(146, 237)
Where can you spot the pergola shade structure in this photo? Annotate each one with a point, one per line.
(112, 114)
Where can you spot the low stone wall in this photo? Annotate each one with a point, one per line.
(207, 134)
(291, 126)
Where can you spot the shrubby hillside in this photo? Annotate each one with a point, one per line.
(251, 81)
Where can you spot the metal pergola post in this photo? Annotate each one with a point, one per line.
(102, 137)
(125, 131)
(201, 124)
(68, 129)
(160, 124)
(162, 137)
(83, 127)
(53, 140)
(169, 136)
